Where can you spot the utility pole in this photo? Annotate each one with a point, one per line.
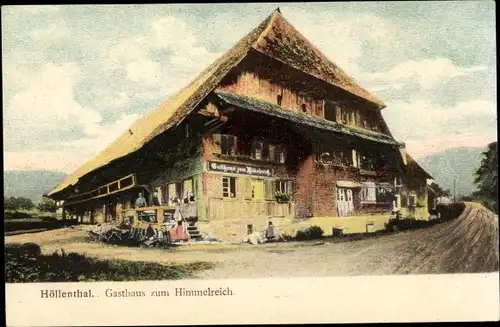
(454, 190)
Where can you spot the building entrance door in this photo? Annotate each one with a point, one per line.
(345, 203)
(397, 202)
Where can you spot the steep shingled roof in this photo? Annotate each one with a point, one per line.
(274, 37)
(414, 169)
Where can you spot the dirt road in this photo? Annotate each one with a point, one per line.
(466, 244)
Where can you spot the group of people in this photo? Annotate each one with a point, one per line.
(141, 201)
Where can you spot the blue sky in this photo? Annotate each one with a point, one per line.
(76, 77)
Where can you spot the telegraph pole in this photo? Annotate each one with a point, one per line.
(454, 190)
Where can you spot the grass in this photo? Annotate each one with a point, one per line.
(15, 221)
(23, 266)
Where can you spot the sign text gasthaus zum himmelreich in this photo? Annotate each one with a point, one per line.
(239, 169)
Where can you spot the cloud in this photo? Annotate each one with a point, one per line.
(344, 38)
(52, 32)
(143, 71)
(426, 147)
(48, 100)
(34, 9)
(426, 73)
(168, 34)
(63, 161)
(47, 107)
(435, 128)
(71, 86)
(101, 135)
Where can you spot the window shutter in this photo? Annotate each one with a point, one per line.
(248, 187)
(269, 189)
(217, 143)
(217, 187)
(290, 188)
(235, 145)
(240, 188)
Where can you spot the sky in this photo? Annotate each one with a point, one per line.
(76, 77)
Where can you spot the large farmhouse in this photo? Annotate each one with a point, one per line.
(270, 128)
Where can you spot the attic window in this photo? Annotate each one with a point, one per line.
(304, 108)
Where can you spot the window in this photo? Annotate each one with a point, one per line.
(347, 158)
(385, 194)
(187, 131)
(412, 200)
(355, 158)
(404, 201)
(280, 155)
(257, 147)
(330, 111)
(229, 187)
(368, 192)
(303, 107)
(344, 116)
(279, 98)
(326, 157)
(319, 108)
(272, 152)
(284, 187)
(337, 156)
(228, 144)
(368, 162)
(258, 190)
(340, 194)
(265, 151)
(178, 189)
(188, 190)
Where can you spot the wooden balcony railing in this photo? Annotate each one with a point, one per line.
(116, 186)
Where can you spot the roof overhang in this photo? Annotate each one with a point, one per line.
(267, 108)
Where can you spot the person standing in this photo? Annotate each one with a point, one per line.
(118, 211)
(141, 201)
(155, 201)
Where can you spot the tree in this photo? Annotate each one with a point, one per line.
(47, 205)
(487, 173)
(18, 203)
(440, 192)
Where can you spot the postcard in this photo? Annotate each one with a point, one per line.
(250, 163)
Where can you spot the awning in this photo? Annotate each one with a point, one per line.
(348, 184)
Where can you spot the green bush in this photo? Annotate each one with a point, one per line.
(311, 233)
(24, 263)
(450, 211)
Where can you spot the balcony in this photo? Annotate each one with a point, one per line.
(164, 213)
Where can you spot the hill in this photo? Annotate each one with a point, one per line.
(30, 184)
(459, 163)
